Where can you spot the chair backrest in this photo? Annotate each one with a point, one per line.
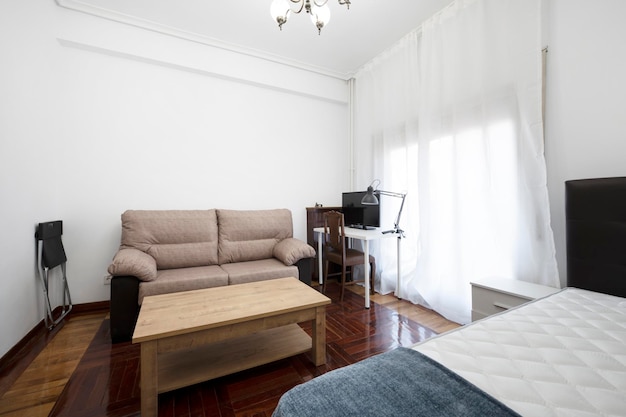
(49, 233)
(334, 230)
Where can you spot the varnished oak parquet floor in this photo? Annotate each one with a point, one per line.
(80, 373)
(37, 388)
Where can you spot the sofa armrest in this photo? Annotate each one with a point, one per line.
(131, 261)
(291, 250)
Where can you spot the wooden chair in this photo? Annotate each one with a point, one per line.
(337, 252)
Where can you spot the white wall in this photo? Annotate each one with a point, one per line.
(97, 117)
(586, 89)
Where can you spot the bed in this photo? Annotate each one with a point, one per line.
(562, 355)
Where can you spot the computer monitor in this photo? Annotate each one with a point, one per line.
(359, 215)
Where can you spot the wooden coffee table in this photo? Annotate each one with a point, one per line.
(193, 336)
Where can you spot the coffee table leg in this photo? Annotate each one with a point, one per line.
(319, 336)
(149, 393)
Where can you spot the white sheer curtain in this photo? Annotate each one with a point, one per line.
(452, 115)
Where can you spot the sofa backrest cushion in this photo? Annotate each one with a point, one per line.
(174, 238)
(250, 235)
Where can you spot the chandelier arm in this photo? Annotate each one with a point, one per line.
(320, 4)
(300, 2)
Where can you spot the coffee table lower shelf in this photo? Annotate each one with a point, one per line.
(188, 367)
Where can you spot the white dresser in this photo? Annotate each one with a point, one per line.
(490, 296)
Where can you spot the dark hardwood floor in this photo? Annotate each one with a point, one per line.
(105, 381)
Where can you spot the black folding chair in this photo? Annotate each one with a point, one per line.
(50, 254)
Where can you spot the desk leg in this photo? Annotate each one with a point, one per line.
(320, 271)
(398, 294)
(149, 382)
(366, 265)
(318, 348)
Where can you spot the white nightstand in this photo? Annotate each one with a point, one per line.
(490, 296)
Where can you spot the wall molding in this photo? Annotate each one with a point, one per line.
(195, 70)
(80, 6)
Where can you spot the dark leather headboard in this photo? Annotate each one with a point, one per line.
(595, 213)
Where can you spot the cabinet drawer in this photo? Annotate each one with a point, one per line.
(486, 302)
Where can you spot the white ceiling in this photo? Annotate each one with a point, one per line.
(351, 38)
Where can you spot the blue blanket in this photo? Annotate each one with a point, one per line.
(402, 382)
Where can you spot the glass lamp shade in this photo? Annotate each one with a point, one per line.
(320, 14)
(279, 9)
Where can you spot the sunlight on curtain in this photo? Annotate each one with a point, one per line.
(452, 115)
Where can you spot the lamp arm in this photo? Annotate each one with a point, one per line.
(396, 226)
(390, 193)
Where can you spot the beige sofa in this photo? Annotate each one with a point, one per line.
(164, 251)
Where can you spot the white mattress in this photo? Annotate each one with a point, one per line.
(563, 355)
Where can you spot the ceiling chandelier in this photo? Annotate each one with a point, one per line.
(317, 9)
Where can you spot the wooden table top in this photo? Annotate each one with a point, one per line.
(191, 311)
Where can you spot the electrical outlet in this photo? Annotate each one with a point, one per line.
(107, 279)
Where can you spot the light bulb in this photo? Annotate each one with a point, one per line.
(320, 16)
(279, 10)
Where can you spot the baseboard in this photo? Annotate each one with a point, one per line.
(21, 355)
(91, 307)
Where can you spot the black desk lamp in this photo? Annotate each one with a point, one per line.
(370, 199)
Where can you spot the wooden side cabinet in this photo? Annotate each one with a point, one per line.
(315, 218)
(490, 296)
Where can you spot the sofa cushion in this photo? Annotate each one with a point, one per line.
(183, 279)
(133, 262)
(174, 238)
(248, 235)
(242, 272)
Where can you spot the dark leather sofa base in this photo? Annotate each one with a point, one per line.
(125, 293)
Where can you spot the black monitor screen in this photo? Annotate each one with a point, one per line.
(359, 215)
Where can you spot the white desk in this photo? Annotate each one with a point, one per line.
(366, 236)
